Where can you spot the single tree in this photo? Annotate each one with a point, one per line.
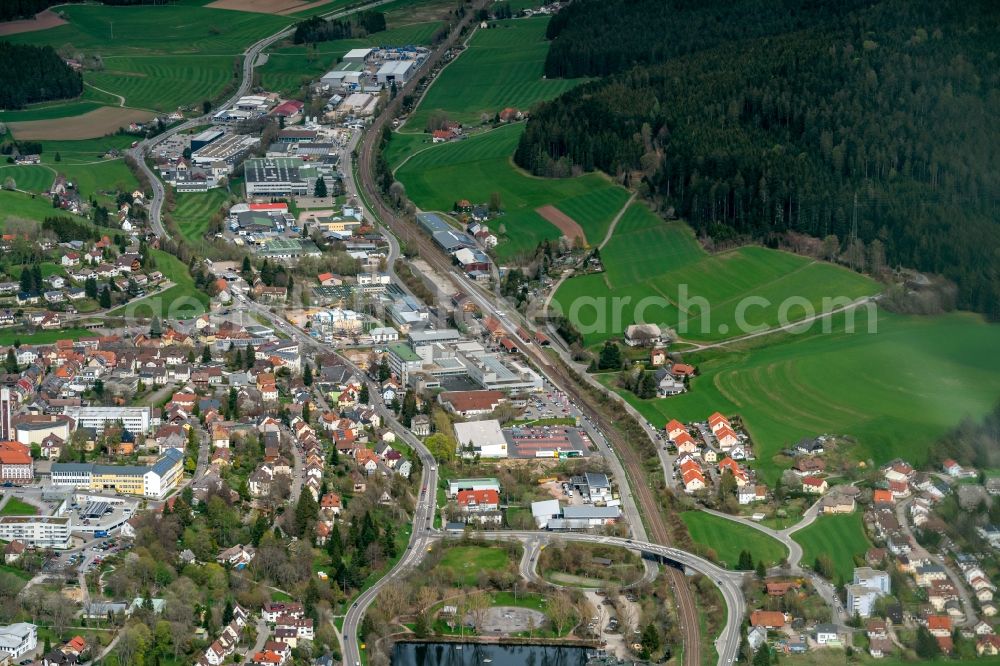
(105, 300)
(10, 364)
(319, 190)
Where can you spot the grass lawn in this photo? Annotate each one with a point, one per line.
(194, 211)
(21, 574)
(26, 206)
(728, 538)
(16, 507)
(474, 168)
(48, 269)
(514, 55)
(8, 337)
(183, 300)
(466, 562)
(841, 537)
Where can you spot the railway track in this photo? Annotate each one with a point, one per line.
(686, 609)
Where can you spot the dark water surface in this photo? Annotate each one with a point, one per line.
(456, 654)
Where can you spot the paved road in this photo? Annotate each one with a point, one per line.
(556, 373)
(823, 587)
(968, 608)
(728, 582)
(426, 505)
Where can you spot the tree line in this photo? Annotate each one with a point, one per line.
(34, 74)
(12, 10)
(878, 128)
(318, 29)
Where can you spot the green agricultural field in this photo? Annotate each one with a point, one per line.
(16, 507)
(403, 146)
(183, 300)
(28, 177)
(502, 67)
(85, 151)
(332, 6)
(594, 211)
(699, 296)
(101, 177)
(167, 30)
(872, 386)
(164, 84)
(842, 537)
(728, 539)
(159, 57)
(466, 562)
(288, 68)
(195, 210)
(91, 179)
(49, 111)
(474, 168)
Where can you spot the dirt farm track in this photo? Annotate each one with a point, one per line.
(90, 125)
(42, 21)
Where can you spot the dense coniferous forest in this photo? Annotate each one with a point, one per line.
(601, 37)
(887, 116)
(34, 74)
(318, 29)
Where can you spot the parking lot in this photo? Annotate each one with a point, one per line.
(549, 405)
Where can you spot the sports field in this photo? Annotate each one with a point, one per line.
(895, 390)
(728, 539)
(502, 67)
(195, 210)
(288, 68)
(474, 168)
(842, 537)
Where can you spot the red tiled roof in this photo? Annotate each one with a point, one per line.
(14, 453)
(767, 619)
(466, 497)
